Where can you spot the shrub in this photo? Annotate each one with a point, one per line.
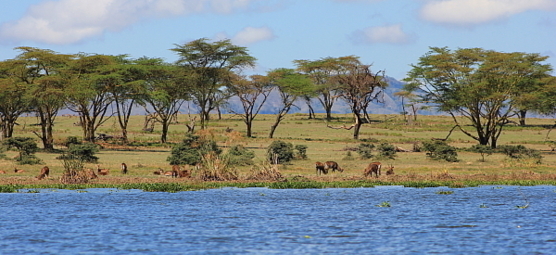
(72, 140)
(387, 151)
(239, 155)
(74, 172)
(365, 149)
(520, 152)
(216, 168)
(191, 150)
(26, 146)
(482, 149)
(84, 152)
(280, 152)
(301, 151)
(440, 150)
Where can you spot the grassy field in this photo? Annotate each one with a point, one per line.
(323, 144)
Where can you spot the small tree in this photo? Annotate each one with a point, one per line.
(83, 152)
(239, 155)
(387, 151)
(520, 152)
(282, 150)
(301, 151)
(482, 149)
(191, 150)
(365, 150)
(27, 148)
(440, 150)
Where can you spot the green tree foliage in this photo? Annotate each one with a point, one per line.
(291, 86)
(192, 149)
(440, 150)
(280, 152)
(386, 151)
(83, 152)
(14, 96)
(481, 86)
(26, 146)
(365, 150)
(520, 152)
(210, 66)
(238, 155)
(482, 149)
(301, 151)
(252, 94)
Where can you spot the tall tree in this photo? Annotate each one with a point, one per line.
(166, 91)
(252, 94)
(14, 95)
(479, 85)
(89, 78)
(209, 67)
(322, 72)
(358, 87)
(41, 72)
(291, 86)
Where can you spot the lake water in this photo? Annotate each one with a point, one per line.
(479, 220)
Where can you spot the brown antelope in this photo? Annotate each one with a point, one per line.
(321, 169)
(171, 173)
(91, 174)
(184, 173)
(2, 172)
(124, 168)
(333, 165)
(159, 172)
(102, 171)
(45, 171)
(373, 167)
(390, 170)
(17, 171)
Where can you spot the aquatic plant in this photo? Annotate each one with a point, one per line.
(384, 204)
(445, 192)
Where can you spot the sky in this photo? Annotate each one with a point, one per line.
(390, 35)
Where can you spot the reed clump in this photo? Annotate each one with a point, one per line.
(74, 172)
(265, 172)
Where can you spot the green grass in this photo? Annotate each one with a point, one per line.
(146, 154)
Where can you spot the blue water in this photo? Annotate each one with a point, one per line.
(481, 220)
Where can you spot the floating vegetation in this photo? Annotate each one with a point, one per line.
(444, 192)
(483, 205)
(384, 204)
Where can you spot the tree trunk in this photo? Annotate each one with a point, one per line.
(522, 114)
(357, 126)
(164, 135)
(249, 126)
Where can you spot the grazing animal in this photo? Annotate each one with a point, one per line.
(102, 171)
(333, 165)
(91, 174)
(321, 168)
(390, 170)
(159, 172)
(172, 173)
(17, 171)
(184, 173)
(373, 167)
(2, 172)
(45, 171)
(124, 168)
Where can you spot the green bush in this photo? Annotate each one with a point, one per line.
(191, 150)
(365, 150)
(72, 140)
(520, 152)
(440, 150)
(482, 149)
(239, 155)
(386, 151)
(84, 152)
(26, 146)
(301, 151)
(280, 152)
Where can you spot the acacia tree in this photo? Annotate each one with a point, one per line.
(89, 78)
(166, 90)
(40, 71)
(252, 94)
(479, 85)
(209, 67)
(290, 85)
(358, 87)
(14, 96)
(322, 73)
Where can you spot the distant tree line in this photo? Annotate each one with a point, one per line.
(487, 87)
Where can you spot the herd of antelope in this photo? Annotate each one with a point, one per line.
(182, 172)
(374, 167)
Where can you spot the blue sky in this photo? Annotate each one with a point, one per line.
(389, 34)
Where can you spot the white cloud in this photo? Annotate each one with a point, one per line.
(382, 34)
(71, 21)
(250, 35)
(472, 12)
